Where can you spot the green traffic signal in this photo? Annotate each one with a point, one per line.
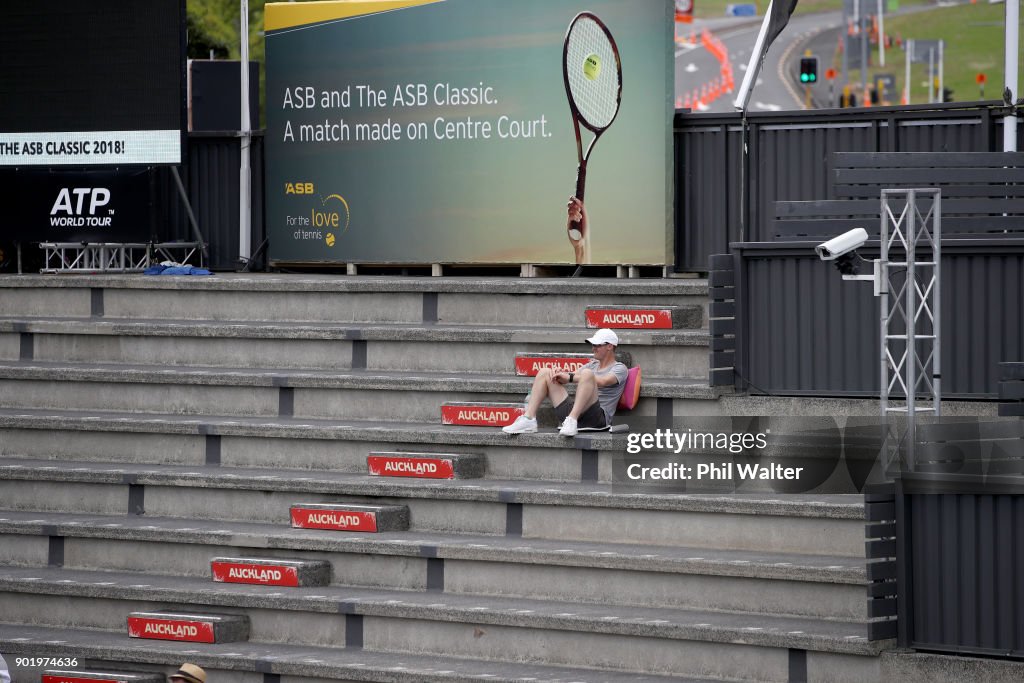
(808, 69)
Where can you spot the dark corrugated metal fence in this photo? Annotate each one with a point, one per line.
(788, 159)
(211, 179)
(804, 330)
(965, 588)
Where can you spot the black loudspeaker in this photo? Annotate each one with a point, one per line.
(214, 94)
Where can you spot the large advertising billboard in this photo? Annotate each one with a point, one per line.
(454, 131)
(97, 83)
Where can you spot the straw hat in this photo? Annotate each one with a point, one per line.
(189, 673)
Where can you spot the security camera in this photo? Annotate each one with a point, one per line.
(841, 245)
(842, 252)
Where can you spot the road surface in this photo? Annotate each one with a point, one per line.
(776, 89)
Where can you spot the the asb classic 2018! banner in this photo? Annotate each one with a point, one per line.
(455, 131)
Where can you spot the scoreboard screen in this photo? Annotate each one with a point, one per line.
(93, 82)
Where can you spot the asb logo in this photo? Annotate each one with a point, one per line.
(327, 222)
(298, 188)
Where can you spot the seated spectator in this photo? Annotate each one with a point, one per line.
(599, 386)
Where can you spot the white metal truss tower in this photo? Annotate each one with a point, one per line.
(911, 243)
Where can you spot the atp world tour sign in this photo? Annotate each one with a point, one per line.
(455, 131)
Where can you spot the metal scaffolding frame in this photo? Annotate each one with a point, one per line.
(79, 257)
(910, 310)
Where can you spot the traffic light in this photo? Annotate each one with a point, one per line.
(808, 70)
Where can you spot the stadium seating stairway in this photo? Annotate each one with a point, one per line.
(151, 425)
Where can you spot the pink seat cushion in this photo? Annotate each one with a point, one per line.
(631, 392)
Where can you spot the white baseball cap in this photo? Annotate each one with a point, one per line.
(604, 336)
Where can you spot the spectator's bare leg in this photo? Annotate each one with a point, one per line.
(544, 386)
(586, 392)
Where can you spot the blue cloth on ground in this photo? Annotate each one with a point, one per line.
(175, 270)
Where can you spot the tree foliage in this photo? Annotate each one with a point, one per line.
(214, 24)
(213, 27)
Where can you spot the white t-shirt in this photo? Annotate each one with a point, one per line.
(5, 676)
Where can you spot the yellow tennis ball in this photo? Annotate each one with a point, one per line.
(330, 239)
(592, 66)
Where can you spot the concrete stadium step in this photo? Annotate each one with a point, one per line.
(543, 302)
(352, 394)
(830, 525)
(260, 663)
(763, 582)
(654, 386)
(427, 348)
(276, 572)
(296, 443)
(186, 626)
(644, 640)
(907, 665)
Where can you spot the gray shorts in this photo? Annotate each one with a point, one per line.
(591, 418)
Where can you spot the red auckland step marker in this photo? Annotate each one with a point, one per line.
(60, 676)
(248, 572)
(481, 414)
(188, 628)
(270, 571)
(182, 629)
(529, 364)
(666, 317)
(630, 318)
(414, 467)
(342, 517)
(425, 465)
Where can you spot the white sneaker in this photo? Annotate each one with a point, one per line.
(569, 427)
(522, 425)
